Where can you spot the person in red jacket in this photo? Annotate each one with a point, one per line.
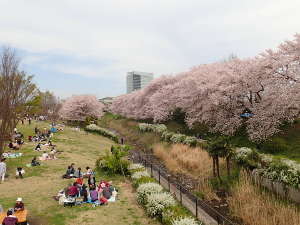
(73, 190)
(10, 219)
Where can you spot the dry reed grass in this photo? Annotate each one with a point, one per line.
(260, 208)
(194, 162)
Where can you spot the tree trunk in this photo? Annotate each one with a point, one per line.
(228, 165)
(214, 166)
(218, 167)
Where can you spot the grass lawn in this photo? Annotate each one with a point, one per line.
(43, 182)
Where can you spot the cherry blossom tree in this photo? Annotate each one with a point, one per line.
(79, 107)
(267, 87)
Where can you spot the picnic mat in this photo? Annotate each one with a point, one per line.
(21, 215)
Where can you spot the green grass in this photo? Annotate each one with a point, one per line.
(42, 182)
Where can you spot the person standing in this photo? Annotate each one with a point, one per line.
(2, 170)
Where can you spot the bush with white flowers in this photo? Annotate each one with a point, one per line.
(242, 153)
(189, 140)
(139, 174)
(136, 166)
(104, 132)
(185, 221)
(166, 136)
(156, 128)
(145, 190)
(158, 202)
(178, 138)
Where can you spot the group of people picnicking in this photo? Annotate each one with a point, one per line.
(11, 217)
(84, 189)
(16, 215)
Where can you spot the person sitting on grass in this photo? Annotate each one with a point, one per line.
(72, 168)
(91, 180)
(10, 219)
(78, 173)
(45, 156)
(93, 194)
(89, 172)
(52, 154)
(19, 206)
(20, 141)
(68, 173)
(20, 172)
(38, 147)
(84, 193)
(34, 162)
(73, 190)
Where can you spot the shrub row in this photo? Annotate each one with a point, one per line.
(104, 132)
(168, 136)
(158, 203)
(281, 170)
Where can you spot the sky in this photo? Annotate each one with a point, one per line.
(88, 46)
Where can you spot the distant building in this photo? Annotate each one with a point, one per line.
(138, 80)
(106, 100)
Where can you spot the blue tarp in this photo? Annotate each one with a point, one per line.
(246, 115)
(53, 130)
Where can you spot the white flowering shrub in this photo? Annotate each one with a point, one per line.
(139, 174)
(242, 153)
(185, 221)
(266, 159)
(157, 202)
(136, 166)
(144, 127)
(104, 132)
(166, 136)
(189, 140)
(293, 165)
(144, 190)
(157, 128)
(284, 171)
(178, 138)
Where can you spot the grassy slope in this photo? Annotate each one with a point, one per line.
(41, 183)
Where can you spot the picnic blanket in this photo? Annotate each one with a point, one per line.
(21, 215)
(12, 155)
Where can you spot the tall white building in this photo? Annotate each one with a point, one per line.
(137, 80)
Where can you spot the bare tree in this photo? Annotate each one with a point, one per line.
(16, 88)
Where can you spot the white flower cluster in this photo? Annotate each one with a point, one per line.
(136, 166)
(284, 170)
(166, 135)
(101, 131)
(266, 158)
(185, 221)
(157, 128)
(147, 189)
(189, 140)
(242, 153)
(157, 202)
(292, 164)
(178, 138)
(139, 174)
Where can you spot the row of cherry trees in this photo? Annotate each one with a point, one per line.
(267, 87)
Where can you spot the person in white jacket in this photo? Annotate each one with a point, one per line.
(2, 170)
